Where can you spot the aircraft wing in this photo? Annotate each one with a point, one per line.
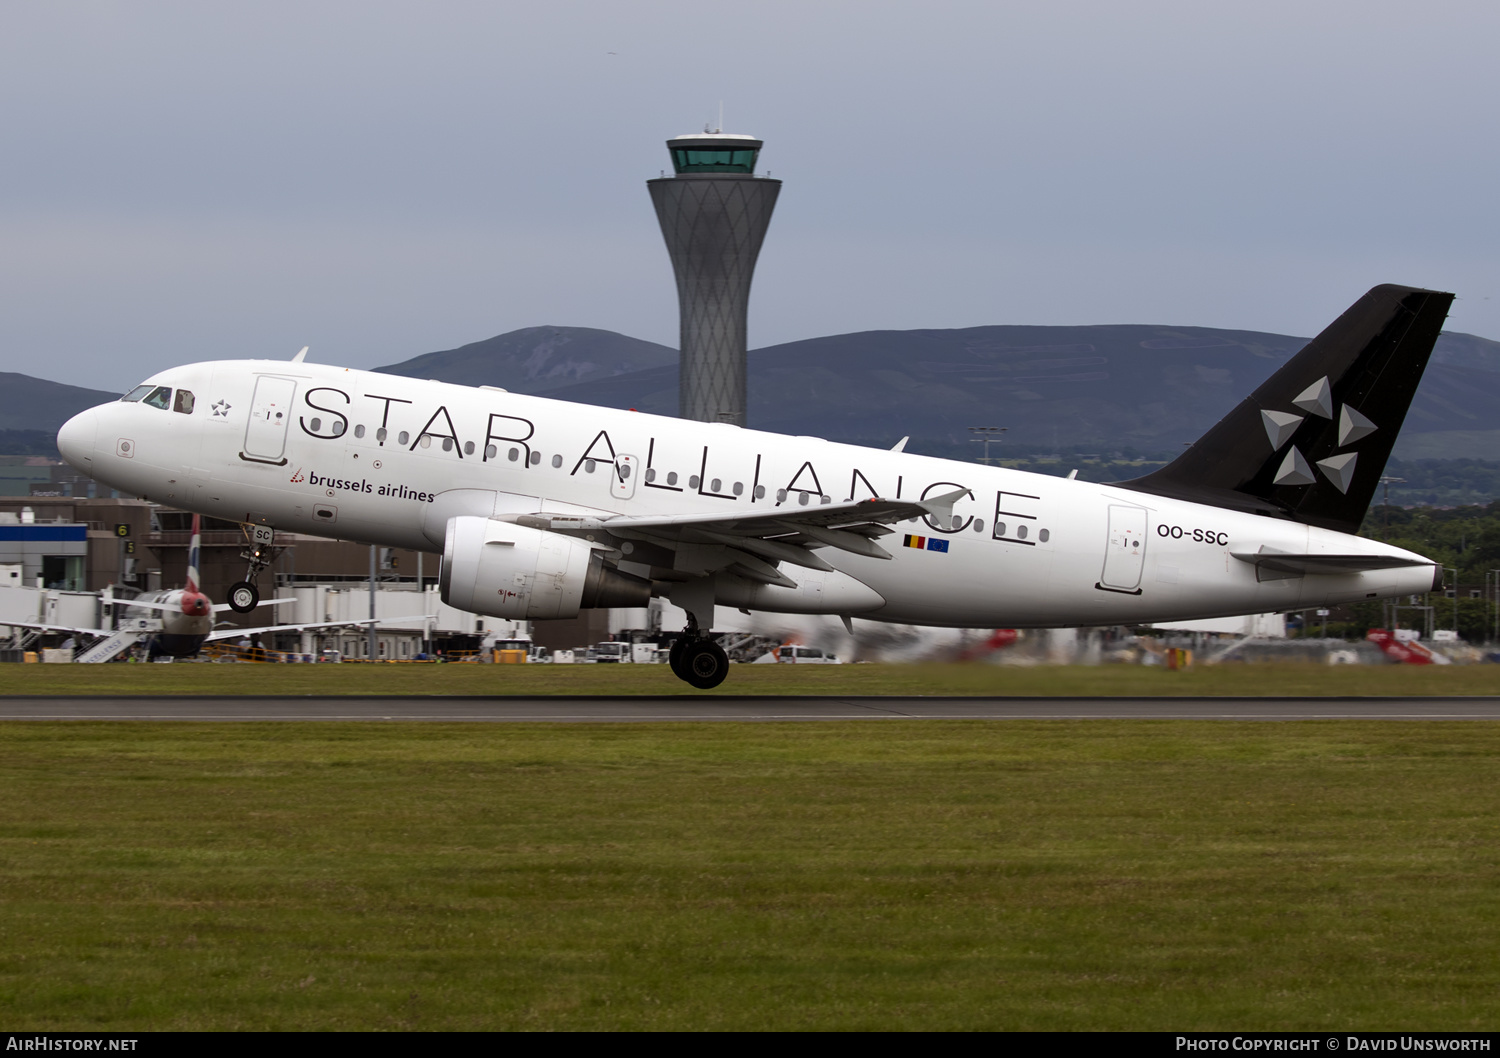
(755, 542)
(222, 606)
(237, 633)
(218, 607)
(57, 628)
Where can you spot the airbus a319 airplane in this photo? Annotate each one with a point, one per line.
(542, 507)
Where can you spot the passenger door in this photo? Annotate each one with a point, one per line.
(1125, 553)
(270, 415)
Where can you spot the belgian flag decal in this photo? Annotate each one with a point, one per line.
(926, 543)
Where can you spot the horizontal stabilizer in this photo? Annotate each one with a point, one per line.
(1282, 562)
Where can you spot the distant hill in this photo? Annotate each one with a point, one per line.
(28, 403)
(538, 359)
(1147, 387)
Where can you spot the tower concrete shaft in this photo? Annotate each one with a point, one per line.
(714, 213)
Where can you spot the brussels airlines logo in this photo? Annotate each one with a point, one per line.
(330, 485)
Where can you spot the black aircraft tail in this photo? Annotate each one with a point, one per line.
(1311, 443)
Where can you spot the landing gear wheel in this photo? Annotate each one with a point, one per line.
(243, 597)
(704, 664)
(674, 657)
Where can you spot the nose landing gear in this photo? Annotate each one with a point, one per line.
(260, 551)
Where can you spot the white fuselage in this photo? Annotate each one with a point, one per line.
(384, 459)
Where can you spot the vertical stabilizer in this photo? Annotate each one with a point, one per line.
(194, 584)
(1311, 443)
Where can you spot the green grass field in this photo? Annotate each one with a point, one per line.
(908, 875)
(933, 679)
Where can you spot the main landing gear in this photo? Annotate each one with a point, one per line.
(259, 553)
(698, 660)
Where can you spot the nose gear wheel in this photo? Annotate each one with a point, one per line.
(243, 597)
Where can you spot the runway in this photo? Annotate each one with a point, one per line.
(744, 708)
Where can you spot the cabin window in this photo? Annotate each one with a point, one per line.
(337, 428)
(1044, 536)
(136, 394)
(671, 477)
(739, 488)
(380, 435)
(650, 474)
(802, 499)
(693, 481)
(447, 444)
(979, 525)
(184, 402)
(513, 455)
(316, 424)
(426, 440)
(536, 458)
(557, 461)
(781, 495)
(403, 437)
(490, 451)
(624, 469)
(999, 528)
(588, 466)
(1020, 532)
(715, 485)
(160, 397)
(359, 431)
(468, 448)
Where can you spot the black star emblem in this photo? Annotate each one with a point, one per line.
(221, 409)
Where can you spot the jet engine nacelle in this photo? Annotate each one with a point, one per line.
(508, 570)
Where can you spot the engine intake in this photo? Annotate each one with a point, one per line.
(508, 570)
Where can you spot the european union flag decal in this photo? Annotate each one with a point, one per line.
(937, 545)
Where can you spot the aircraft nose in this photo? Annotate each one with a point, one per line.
(76, 439)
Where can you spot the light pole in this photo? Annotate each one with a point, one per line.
(373, 645)
(987, 435)
(1388, 482)
(1455, 596)
(1492, 584)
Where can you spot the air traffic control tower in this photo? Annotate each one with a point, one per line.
(714, 213)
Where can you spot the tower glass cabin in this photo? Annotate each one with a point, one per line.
(714, 212)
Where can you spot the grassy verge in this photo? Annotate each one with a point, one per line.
(933, 679)
(1057, 875)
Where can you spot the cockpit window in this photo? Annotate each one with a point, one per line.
(160, 397)
(137, 393)
(184, 402)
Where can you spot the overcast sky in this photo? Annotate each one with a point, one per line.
(191, 181)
